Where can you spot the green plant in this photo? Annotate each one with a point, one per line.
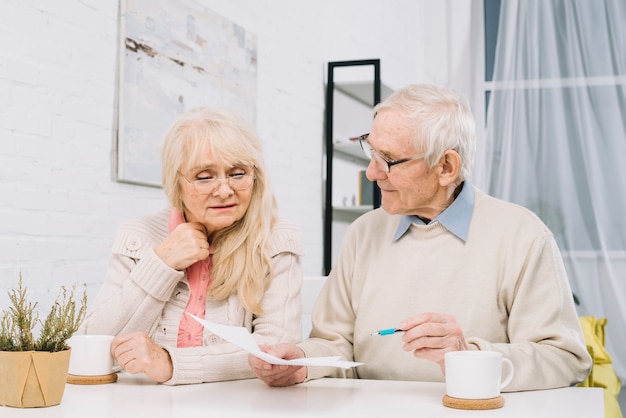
(19, 321)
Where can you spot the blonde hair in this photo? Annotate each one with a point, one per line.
(241, 261)
(441, 120)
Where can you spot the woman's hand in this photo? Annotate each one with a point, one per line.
(185, 245)
(279, 375)
(137, 353)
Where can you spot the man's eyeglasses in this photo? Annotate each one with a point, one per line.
(208, 185)
(382, 162)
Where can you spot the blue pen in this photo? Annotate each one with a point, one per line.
(387, 331)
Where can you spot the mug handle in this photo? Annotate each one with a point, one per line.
(506, 364)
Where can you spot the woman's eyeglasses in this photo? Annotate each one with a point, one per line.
(208, 185)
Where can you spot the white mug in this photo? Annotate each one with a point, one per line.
(91, 355)
(476, 374)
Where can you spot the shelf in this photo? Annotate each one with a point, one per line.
(351, 149)
(363, 91)
(354, 209)
(352, 90)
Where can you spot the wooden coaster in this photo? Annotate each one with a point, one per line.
(492, 403)
(91, 380)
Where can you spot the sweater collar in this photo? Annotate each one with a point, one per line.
(455, 218)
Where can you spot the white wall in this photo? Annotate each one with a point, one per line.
(59, 202)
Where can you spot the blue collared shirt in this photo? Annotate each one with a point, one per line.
(455, 218)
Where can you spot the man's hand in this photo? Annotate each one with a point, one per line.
(279, 375)
(431, 335)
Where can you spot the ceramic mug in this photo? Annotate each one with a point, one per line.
(91, 355)
(476, 374)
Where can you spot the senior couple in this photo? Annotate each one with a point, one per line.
(452, 267)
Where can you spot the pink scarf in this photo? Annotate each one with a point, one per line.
(198, 275)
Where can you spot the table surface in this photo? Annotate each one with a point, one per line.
(135, 395)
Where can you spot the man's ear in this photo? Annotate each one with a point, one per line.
(450, 167)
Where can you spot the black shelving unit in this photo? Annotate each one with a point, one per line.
(329, 142)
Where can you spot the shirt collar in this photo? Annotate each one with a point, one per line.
(455, 218)
(176, 218)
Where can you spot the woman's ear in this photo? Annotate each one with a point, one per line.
(450, 164)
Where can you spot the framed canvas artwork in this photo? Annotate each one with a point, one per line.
(175, 55)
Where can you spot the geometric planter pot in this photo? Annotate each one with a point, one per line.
(33, 378)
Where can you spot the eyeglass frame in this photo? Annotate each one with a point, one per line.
(218, 182)
(372, 153)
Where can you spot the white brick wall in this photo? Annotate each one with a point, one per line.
(59, 206)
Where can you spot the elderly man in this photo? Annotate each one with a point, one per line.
(446, 265)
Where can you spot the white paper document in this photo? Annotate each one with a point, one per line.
(243, 339)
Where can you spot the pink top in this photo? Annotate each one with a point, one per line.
(198, 275)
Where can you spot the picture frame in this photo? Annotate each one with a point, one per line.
(175, 55)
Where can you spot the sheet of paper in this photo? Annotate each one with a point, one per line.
(243, 339)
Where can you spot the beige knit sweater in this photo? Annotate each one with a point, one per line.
(506, 286)
(141, 293)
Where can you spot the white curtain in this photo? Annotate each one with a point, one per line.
(556, 141)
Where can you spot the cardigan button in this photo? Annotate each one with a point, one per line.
(133, 244)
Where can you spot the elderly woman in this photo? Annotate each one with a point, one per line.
(220, 252)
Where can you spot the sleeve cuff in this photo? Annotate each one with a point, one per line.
(155, 277)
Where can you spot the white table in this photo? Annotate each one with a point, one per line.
(136, 396)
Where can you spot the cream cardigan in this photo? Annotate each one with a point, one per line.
(141, 293)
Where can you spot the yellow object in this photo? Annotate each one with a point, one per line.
(602, 373)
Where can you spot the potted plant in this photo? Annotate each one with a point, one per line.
(33, 371)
